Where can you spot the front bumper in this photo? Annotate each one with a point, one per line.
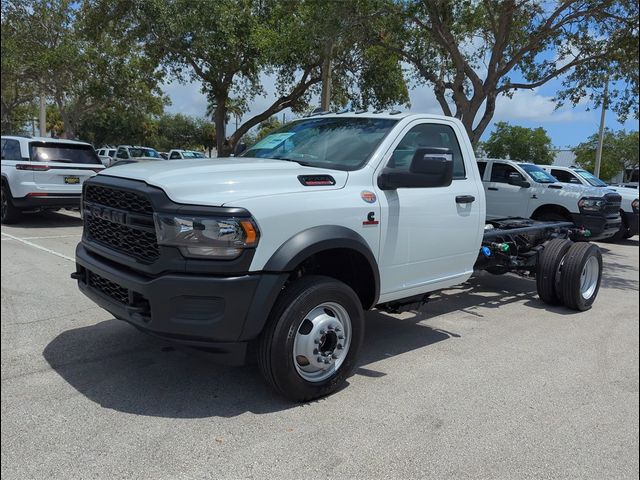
(601, 227)
(631, 221)
(219, 313)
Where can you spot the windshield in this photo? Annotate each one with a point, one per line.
(538, 174)
(143, 152)
(192, 155)
(591, 178)
(63, 152)
(337, 143)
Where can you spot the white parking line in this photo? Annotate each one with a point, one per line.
(44, 237)
(44, 249)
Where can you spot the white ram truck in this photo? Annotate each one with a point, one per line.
(628, 207)
(517, 189)
(276, 254)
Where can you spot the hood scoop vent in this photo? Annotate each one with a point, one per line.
(316, 180)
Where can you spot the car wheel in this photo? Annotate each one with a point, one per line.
(580, 276)
(312, 339)
(10, 214)
(549, 260)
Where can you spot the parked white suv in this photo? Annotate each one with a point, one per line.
(44, 173)
(185, 155)
(515, 189)
(629, 205)
(107, 156)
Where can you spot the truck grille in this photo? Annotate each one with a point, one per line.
(613, 203)
(136, 241)
(108, 288)
(111, 197)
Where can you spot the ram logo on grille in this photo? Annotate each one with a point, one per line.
(108, 214)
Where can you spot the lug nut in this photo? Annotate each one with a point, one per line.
(320, 359)
(334, 356)
(340, 337)
(339, 347)
(315, 351)
(316, 341)
(322, 332)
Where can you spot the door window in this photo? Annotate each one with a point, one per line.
(122, 153)
(500, 173)
(11, 150)
(564, 176)
(174, 155)
(482, 166)
(428, 135)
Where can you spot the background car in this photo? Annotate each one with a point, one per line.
(44, 173)
(106, 155)
(185, 154)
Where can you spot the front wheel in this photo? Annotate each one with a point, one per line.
(311, 342)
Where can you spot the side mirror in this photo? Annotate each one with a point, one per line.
(517, 180)
(430, 168)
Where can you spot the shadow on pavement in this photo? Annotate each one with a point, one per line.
(122, 369)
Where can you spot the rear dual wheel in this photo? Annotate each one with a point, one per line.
(569, 274)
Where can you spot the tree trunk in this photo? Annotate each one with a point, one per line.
(325, 97)
(219, 119)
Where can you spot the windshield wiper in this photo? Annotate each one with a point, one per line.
(300, 162)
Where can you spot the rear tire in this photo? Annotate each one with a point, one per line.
(547, 268)
(315, 320)
(580, 276)
(10, 214)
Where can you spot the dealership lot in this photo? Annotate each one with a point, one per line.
(485, 382)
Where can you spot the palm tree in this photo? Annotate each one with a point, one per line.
(235, 107)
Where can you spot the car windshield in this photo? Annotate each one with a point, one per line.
(538, 174)
(337, 143)
(136, 152)
(192, 155)
(591, 178)
(63, 152)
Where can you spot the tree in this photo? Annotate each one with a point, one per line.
(470, 53)
(78, 72)
(18, 92)
(519, 143)
(229, 45)
(619, 154)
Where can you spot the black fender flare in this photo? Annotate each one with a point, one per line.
(316, 239)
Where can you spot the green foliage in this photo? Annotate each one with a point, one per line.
(470, 52)
(519, 143)
(229, 45)
(78, 70)
(619, 153)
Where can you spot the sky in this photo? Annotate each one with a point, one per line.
(566, 126)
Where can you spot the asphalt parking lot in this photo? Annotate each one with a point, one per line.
(485, 382)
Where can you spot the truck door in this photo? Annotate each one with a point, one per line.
(504, 199)
(429, 236)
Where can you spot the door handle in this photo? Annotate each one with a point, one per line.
(465, 199)
(493, 189)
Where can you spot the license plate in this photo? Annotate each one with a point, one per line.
(72, 180)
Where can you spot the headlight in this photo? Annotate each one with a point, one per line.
(206, 237)
(591, 204)
(634, 205)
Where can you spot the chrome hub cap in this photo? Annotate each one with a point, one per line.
(589, 278)
(322, 342)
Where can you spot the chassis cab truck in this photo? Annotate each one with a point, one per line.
(278, 253)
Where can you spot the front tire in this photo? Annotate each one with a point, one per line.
(10, 214)
(311, 342)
